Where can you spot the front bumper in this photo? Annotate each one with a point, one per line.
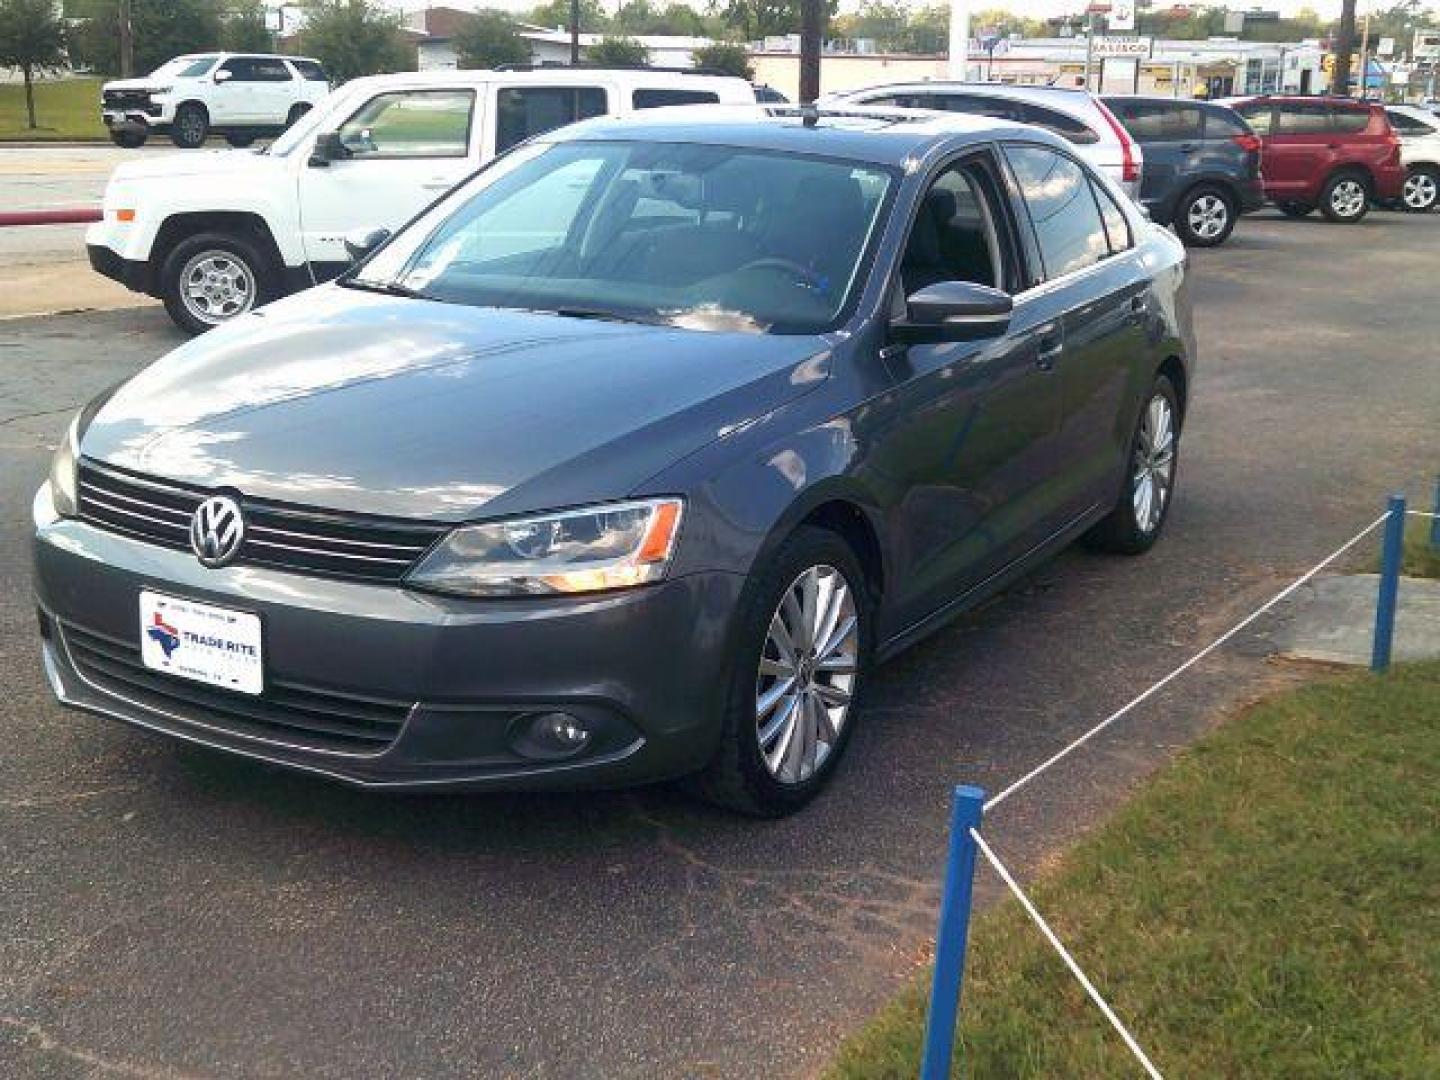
(644, 669)
(132, 273)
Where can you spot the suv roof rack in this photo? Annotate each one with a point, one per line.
(584, 66)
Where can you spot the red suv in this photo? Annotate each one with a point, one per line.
(1335, 153)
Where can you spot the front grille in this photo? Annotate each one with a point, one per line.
(290, 538)
(289, 713)
(127, 99)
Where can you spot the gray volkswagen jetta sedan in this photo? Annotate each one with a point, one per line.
(627, 459)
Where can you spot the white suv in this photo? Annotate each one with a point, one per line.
(1074, 115)
(1419, 132)
(214, 235)
(238, 95)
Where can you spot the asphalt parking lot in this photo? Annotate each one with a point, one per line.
(173, 912)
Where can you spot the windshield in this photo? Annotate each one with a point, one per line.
(699, 236)
(184, 67)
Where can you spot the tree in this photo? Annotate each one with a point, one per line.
(726, 56)
(242, 27)
(643, 17)
(618, 52)
(354, 38)
(488, 39)
(557, 13)
(753, 19)
(32, 38)
(162, 30)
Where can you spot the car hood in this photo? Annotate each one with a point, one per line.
(142, 82)
(353, 401)
(203, 163)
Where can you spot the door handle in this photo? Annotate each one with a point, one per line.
(438, 183)
(1050, 350)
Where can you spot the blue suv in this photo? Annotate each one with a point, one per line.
(1202, 164)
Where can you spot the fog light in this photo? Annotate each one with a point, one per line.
(551, 735)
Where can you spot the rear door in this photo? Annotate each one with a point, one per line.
(531, 109)
(1096, 288)
(406, 147)
(1299, 150)
(1173, 140)
(274, 89)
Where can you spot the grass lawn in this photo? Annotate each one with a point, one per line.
(64, 109)
(1421, 560)
(1268, 906)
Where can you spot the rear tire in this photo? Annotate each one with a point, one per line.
(1422, 189)
(191, 126)
(295, 113)
(128, 138)
(211, 278)
(1345, 198)
(1137, 521)
(755, 770)
(1204, 216)
(1296, 209)
(240, 139)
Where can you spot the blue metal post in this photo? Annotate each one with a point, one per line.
(953, 935)
(1390, 558)
(1435, 521)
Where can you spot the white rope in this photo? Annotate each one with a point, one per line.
(1157, 687)
(1422, 513)
(1065, 955)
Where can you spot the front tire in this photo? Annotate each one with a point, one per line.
(191, 126)
(128, 138)
(1204, 216)
(240, 139)
(1143, 507)
(1345, 198)
(212, 278)
(295, 113)
(801, 650)
(1422, 189)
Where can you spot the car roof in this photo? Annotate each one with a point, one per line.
(1062, 97)
(874, 135)
(222, 55)
(1162, 99)
(551, 76)
(1299, 99)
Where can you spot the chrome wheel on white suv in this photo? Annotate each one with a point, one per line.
(1422, 190)
(212, 278)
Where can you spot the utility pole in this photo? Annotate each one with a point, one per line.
(1364, 60)
(812, 28)
(574, 33)
(960, 39)
(127, 42)
(1089, 42)
(1344, 43)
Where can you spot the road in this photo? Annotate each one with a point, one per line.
(173, 912)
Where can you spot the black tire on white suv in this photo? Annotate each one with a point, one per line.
(213, 277)
(190, 127)
(128, 138)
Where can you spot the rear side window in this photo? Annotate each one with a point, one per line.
(524, 111)
(647, 97)
(271, 71)
(411, 124)
(1351, 121)
(1117, 226)
(1406, 124)
(310, 71)
(1302, 119)
(1223, 124)
(1062, 124)
(1259, 116)
(1148, 122)
(1062, 208)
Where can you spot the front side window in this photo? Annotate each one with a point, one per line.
(956, 235)
(184, 67)
(1062, 208)
(241, 69)
(526, 111)
(696, 236)
(411, 124)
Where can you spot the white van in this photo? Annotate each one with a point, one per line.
(214, 234)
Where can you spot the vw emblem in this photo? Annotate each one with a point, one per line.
(217, 530)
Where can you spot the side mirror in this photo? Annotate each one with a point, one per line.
(223, 75)
(954, 311)
(361, 242)
(328, 148)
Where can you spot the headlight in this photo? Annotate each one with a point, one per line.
(64, 472)
(601, 547)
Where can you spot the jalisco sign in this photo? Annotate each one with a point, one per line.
(1123, 46)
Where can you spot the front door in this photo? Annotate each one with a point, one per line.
(976, 445)
(406, 148)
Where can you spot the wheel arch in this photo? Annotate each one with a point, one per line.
(836, 507)
(178, 227)
(1173, 368)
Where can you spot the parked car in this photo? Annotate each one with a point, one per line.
(241, 96)
(627, 458)
(1335, 153)
(1080, 118)
(1202, 165)
(1419, 132)
(215, 235)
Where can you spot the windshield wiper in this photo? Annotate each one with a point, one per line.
(601, 315)
(387, 288)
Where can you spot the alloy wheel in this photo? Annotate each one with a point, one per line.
(1421, 191)
(806, 678)
(1208, 216)
(1154, 469)
(215, 286)
(1347, 198)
